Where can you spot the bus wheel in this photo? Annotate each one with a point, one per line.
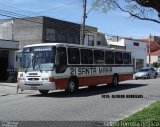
(72, 86)
(115, 80)
(44, 92)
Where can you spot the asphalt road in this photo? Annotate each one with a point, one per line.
(87, 105)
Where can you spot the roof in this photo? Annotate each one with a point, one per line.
(156, 53)
(8, 44)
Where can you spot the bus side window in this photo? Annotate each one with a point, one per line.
(86, 56)
(98, 57)
(73, 56)
(109, 57)
(62, 60)
(126, 58)
(118, 58)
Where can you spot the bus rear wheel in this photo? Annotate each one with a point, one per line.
(44, 92)
(72, 86)
(115, 80)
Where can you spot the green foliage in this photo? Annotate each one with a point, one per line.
(129, 6)
(148, 116)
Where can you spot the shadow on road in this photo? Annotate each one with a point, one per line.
(84, 92)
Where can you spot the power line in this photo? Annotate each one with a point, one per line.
(51, 9)
(93, 6)
(20, 18)
(19, 9)
(14, 15)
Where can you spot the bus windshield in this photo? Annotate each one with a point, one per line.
(37, 60)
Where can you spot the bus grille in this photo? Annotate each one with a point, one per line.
(33, 79)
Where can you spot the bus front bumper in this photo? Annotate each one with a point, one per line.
(36, 85)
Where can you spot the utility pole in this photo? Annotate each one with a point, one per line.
(149, 50)
(84, 21)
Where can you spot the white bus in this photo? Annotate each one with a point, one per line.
(53, 66)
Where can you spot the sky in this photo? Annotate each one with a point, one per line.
(114, 23)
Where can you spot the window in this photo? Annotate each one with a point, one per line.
(73, 56)
(61, 60)
(136, 44)
(89, 40)
(109, 57)
(86, 56)
(118, 58)
(98, 57)
(63, 57)
(126, 58)
(139, 63)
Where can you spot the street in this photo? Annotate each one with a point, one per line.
(87, 105)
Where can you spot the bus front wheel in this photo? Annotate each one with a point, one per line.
(44, 92)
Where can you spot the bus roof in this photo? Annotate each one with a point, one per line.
(74, 45)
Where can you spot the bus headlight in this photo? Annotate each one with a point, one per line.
(45, 79)
(21, 79)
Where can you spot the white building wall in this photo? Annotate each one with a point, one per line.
(153, 59)
(138, 52)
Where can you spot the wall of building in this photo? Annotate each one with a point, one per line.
(153, 58)
(101, 39)
(139, 53)
(6, 29)
(55, 30)
(28, 31)
(39, 30)
(93, 37)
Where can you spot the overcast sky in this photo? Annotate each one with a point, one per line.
(113, 23)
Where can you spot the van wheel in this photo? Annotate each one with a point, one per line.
(115, 80)
(72, 86)
(44, 92)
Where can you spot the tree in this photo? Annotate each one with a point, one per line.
(141, 9)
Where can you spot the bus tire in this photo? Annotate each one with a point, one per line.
(44, 92)
(72, 85)
(115, 80)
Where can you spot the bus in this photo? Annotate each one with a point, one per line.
(56, 66)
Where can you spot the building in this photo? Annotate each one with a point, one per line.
(39, 30)
(153, 49)
(93, 37)
(8, 51)
(138, 48)
(44, 29)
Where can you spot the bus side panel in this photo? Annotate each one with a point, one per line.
(94, 80)
(123, 77)
(61, 83)
(109, 79)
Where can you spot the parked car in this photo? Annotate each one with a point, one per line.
(147, 72)
(158, 71)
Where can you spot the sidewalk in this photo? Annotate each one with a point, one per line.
(11, 88)
(8, 84)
